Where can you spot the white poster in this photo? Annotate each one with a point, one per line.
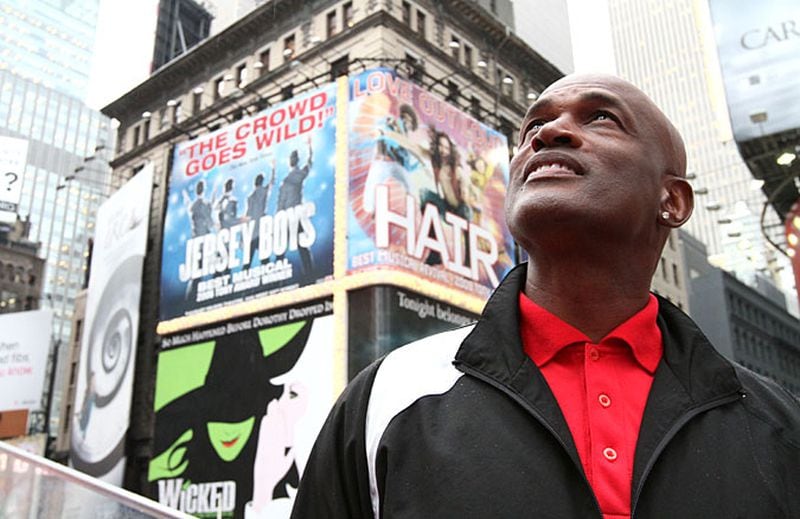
(13, 154)
(108, 345)
(24, 344)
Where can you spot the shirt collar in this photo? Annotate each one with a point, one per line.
(544, 334)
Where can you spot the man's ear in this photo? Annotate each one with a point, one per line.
(677, 201)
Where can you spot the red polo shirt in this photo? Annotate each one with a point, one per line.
(601, 389)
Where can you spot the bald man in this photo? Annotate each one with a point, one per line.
(578, 393)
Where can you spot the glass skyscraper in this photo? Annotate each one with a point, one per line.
(46, 49)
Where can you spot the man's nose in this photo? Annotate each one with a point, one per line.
(556, 133)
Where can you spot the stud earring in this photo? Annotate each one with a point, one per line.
(665, 215)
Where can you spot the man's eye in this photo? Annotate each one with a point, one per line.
(532, 128)
(603, 116)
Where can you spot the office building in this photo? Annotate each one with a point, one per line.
(181, 25)
(667, 50)
(544, 25)
(747, 325)
(45, 59)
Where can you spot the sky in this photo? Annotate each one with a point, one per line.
(124, 48)
(126, 35)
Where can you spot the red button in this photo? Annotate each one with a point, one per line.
(594, 354)
(610, 454)
(604, 400)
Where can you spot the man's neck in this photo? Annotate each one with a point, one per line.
(595, 295)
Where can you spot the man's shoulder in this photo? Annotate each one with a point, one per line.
(421, 365)
(772, 405)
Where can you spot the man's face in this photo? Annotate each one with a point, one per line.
(593, 152)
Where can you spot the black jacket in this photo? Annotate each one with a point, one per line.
(463, 425)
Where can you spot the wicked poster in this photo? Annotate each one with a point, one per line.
(426, 188)
(250, 208)
(238, 407)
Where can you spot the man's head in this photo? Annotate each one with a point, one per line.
(598, 164)
(259, 181)
(229, 185)
(294, 158)
(199, 188)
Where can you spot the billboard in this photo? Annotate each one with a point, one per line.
(389, 317)
(104, 384)
(238, 406)
(759, 53)
(426, 186)
(24, 345)
(13, 156)
(250, 208)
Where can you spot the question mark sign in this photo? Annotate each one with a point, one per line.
(13, 177)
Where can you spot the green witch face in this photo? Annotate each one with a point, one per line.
(229, 438)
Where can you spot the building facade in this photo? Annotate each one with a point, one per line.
(455, 51)
(21, 269)
(49, 42)
(749, 327)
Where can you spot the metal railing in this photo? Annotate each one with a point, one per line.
(34, 487)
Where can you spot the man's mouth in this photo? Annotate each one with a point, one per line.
(230, 443)
(552, 166)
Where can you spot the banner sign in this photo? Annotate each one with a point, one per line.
(24, 344)
(759, 45)
(104, 386)
(238, 406)
(13, 156)
(426, 188)
(389, 317)
(250, 208)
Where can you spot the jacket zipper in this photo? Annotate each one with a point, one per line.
(521, 401)
(670, 434)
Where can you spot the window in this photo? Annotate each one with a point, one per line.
(468, 56)
(421, 24)
(455, 48)
(197, 102)
(406, 7)
(675, 275)
(663, 268)
(264, 60)
(288, 48)
(241, 75)
(330, 24)
(452, 92)
(219, 87)
(287, 92)
(475, 107)
(347, 14)
(177, 112)
(340, 67)
(136, 131)
(415, 68)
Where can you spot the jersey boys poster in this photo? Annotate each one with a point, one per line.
(427, 184)
(250, 208)
(238, 407)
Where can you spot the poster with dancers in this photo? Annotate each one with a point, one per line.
(426, 186)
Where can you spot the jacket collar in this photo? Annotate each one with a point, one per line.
(691, 372)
